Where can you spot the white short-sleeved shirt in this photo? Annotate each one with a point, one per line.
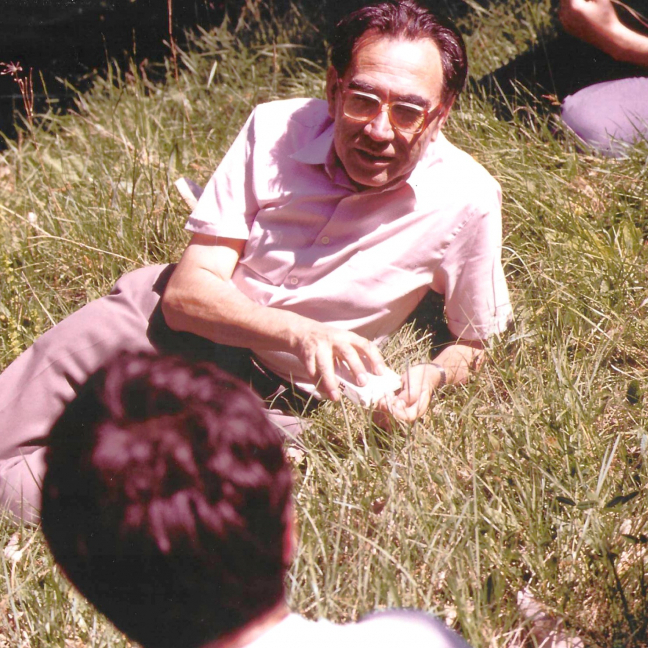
(360, 260)
(392, 629)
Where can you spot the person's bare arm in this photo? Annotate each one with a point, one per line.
(419, 382)
(597, 23)
(199, 298)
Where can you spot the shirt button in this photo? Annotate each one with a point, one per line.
(294, 281)
(325, 240)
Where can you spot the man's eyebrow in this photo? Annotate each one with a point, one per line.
(407, 98)
(413, 99)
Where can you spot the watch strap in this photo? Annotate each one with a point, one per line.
(443, 377)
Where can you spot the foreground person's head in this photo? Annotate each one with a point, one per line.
(167, 501)
(392, 53)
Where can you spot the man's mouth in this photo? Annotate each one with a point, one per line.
(374, 158)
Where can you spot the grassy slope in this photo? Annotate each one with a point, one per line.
(531, 475)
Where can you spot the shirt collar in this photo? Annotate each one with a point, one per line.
(317, 150)
(321, 151)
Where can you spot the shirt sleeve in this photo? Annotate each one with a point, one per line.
(228, 205)
(476, 296)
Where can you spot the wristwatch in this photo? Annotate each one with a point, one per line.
(443, 378)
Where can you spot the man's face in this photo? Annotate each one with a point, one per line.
(374, 153)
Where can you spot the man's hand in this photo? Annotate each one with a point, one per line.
(411, 402)
(420, 381)
(322, 349)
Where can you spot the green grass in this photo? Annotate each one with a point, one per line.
(531, 475)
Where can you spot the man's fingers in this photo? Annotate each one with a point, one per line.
(398, 409)
(372, 352)
(411, 402)
(322, 374)
(322, 347)
(404, 412)
(354, 362)
(325, 370)
(354, 356)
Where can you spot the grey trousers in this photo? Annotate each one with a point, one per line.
(36, 386)
(609, 116)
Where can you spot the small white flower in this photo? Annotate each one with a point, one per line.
(11, 551)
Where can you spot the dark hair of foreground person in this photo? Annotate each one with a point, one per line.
(167, 500)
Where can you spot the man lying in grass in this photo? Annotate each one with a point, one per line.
(167, 503)
(319, 233)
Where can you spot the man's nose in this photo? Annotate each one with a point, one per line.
(380, 127)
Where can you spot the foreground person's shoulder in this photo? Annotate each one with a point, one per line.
(411, 628)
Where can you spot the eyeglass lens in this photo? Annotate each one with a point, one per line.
(365, 107)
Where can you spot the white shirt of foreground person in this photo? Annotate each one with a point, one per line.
(358, 260)
(410, 629)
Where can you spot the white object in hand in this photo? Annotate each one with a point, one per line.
(374, 390)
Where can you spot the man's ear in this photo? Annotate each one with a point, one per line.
(445, 112)
(439, 121)
(331, 90)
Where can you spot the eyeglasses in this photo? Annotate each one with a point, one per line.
(403, 116)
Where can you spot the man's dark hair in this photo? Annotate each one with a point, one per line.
(407, 19)
(166, 500)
